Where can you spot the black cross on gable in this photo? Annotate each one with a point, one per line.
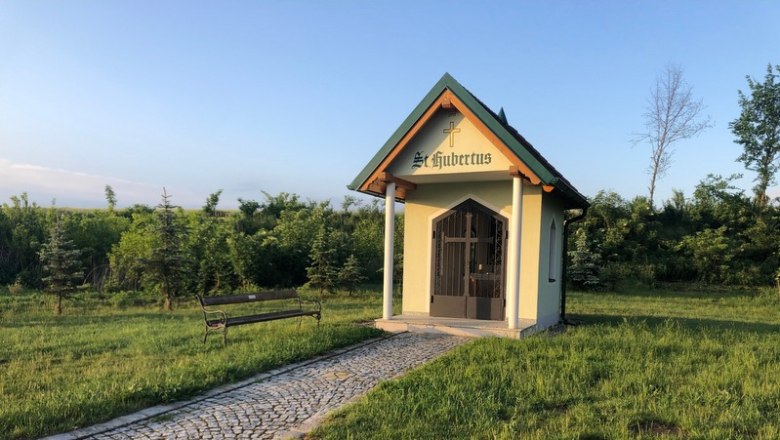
(451, 131)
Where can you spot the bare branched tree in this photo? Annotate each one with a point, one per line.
(672, 114)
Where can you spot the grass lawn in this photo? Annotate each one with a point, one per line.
(641, 365)
(100, 359)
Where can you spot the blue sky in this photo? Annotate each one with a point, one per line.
(297, 96)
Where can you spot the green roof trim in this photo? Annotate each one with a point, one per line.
(494, 122)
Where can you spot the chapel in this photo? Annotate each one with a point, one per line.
(485, 218)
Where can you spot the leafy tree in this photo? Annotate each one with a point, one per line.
(246, 220)
(248, 207)
(350, 276)
(61, 264)
(608, 224)
(717, 236)
(274, 206)
(672, 114)
(127, 259)
(95, 233)
(167, 264)
(368, 240)
(7, 266)
(258, 259)
(137, 208)
(349, 202)
(322, 272)
(110, 198)
(758, 131)
(713, 196)
(210, 250)
(28, 226)
(710, 252)
(296, 231)
(210, 208)
(398, 248)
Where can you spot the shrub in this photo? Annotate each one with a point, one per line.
(16, 288)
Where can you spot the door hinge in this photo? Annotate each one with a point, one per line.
(431, 299)
(434, 235)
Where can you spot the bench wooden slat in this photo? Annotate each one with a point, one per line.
(262, 317)
(269, 316)
(250, 297)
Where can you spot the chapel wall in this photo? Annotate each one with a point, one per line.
(423, 205)
(550, 281)
(530, 248)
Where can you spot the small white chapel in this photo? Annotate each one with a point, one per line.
(485, 220)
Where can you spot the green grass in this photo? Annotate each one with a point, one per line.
(641, 365)
(105, 357)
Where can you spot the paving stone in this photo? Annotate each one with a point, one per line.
(287, 401)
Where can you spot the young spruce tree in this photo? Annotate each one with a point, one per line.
(585, 264)
(322, 272)
(61, 263)
(167, 264)
(350, 275)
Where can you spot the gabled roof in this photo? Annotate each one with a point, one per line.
(531, 163)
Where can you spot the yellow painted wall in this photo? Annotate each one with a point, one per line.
(422, 206)
(539, 298)
(530, 244)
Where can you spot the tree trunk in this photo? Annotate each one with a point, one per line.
(58, 308)
(763, 184)
(652, 186)
(166, 293)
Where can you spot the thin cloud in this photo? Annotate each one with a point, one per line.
(76, 188)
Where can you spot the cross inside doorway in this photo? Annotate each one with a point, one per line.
(451, 131)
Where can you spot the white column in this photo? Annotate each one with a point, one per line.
(513, 260)
(387, 303)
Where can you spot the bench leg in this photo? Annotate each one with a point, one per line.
(210, 330)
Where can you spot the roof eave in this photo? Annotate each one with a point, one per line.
(571, 193)
(447, 82)
(405, 126)
(499, 130)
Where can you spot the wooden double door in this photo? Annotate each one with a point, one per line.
(468, 263)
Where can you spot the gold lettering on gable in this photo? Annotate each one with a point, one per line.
(437, 150)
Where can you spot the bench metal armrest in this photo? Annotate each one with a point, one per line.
(222, 316)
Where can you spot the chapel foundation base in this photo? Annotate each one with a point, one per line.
(474, 328)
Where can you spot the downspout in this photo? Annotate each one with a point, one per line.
(565, 262)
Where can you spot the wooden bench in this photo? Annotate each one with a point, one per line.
(219, 321)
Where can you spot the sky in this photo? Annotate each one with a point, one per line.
(297, 96)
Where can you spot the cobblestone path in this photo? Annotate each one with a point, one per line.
(284, 402)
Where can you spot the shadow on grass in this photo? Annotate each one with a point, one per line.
(687, 323)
